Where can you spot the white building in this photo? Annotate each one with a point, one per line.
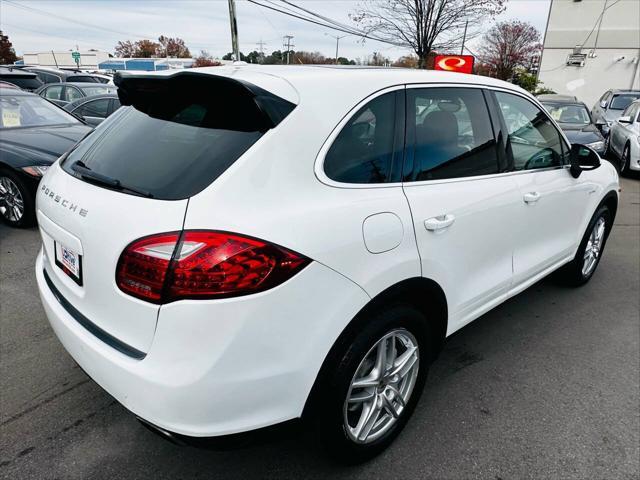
(591, 46)
(89, 59)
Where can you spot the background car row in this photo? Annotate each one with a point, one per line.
(611, 128)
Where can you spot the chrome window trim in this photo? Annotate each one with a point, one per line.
(319, 162)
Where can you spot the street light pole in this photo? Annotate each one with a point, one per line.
(464, 37)
(337, 37)
(234, 30)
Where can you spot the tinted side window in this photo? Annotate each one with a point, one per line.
(94, 108)
(53, 93)
(363, 151)
(452, 134)
(534, 142)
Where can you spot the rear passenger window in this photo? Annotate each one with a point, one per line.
(53, 93)
(363, 151)
(73, 94)
(534, 141)
(452, 134)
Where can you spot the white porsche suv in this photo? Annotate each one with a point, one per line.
(242, 246)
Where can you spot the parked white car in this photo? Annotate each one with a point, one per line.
(242, 246)
(624, 138)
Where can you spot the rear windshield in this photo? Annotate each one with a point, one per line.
(98, 90)
(171, 146)
(30, 83)
(82, 78)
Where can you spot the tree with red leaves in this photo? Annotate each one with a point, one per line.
(508, 46)
(173, 47)
(7, 53)
(205, 60)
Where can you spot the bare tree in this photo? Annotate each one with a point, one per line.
(509, 46)
(425, 25)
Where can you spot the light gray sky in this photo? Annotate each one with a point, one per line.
(38, 25)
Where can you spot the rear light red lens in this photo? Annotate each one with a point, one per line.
(203, 264)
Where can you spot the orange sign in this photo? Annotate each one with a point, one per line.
(454, 63)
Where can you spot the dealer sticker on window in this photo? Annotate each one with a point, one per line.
(70, 262)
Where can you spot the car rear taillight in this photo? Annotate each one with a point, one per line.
(203, 264)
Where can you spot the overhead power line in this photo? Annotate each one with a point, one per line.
(46, 13)
(332, 26)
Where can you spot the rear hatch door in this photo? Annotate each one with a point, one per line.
(132, 177)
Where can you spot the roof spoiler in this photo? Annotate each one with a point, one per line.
(156, 95)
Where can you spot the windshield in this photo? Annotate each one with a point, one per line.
(31, 111)
(620, 102)
(563, 113)
(27, 83)
(98, 90)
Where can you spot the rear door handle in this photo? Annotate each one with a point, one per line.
(531, 197)
(438, 223)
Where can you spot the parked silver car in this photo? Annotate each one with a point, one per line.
(624, 138)
(610, 107)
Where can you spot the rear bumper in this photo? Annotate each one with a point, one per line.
(220, 367)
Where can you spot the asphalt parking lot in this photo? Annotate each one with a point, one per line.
(544, 386)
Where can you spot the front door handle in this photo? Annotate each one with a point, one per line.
(531, 197)
(438, 223)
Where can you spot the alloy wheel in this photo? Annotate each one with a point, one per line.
(381, 387)
(594, 247)
(11, 201)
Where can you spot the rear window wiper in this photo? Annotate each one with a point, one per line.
(100, 179)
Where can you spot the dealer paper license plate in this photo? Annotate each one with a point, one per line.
(70, 262)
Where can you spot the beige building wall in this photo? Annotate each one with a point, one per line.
(607, 32)
(88, 59)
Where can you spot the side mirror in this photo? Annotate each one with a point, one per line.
(603, 104)
(625, 119)
(582, 158)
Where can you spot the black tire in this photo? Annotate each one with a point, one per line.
(28, 218)
(624, 160)
(572, 273)
(327, 412)
(608, 153)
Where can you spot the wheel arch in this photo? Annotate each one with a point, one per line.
(611, 202)
(424, 294)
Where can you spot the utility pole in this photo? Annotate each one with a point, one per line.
(261, 46)
(286, 43)
(464, 37)
(337, 37)
(234, 30)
